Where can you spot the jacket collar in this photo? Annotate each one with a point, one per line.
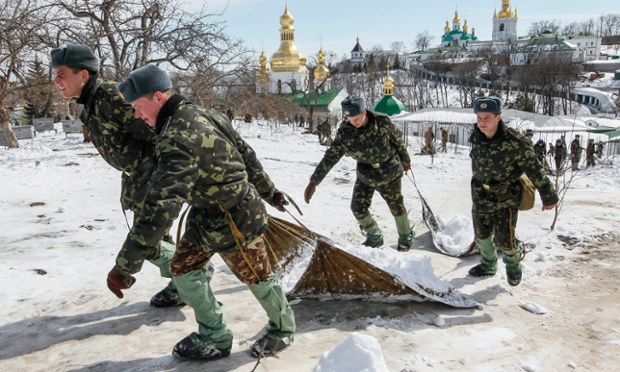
(167, 111)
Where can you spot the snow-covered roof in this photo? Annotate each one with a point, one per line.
(607, 104)
(523, 119)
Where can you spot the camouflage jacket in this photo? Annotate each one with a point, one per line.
(575, 148)
(560, 152)
(497, 163)
(541, 150)
(590, 149)
(325, 128)
(204, 162)
(124, 142)
(377, 147)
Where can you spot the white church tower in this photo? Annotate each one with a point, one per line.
(505, 23)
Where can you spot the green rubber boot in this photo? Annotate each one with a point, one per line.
(488, 258)
(271, 297)
(193, 288)
(513, 264)
(406, 235)
(374, 237)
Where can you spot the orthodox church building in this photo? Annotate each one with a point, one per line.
(288, 72)
(458, 42)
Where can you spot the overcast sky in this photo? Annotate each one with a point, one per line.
(338, 22)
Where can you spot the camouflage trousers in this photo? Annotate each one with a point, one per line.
(391, 193)
(575, 162)
(559, 163)
(249, 265)
(500, 226)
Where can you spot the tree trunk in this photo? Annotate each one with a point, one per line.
(7, 132)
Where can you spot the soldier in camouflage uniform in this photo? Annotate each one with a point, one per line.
(575, 152)
(599, 149)
(377, 146)
(559, 154)
(590, 153)
(500, 155)
(325, 132)
(540, 148)
(124, 142)
(202, 161)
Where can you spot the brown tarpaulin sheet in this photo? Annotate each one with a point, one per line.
(335, 274)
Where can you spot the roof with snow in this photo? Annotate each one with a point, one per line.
(466, 116)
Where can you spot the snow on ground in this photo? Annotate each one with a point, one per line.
(62, 226)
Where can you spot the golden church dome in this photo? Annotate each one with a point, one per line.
(321, 73)
(287, 58)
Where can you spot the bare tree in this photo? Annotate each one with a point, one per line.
(398, 46)
(539, 27)
(610, 24)
(423, 40)
(131, 33)
(466, 76)
(22, 27)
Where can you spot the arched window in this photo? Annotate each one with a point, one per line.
(501, 27)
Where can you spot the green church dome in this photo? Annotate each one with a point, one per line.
(390, 106)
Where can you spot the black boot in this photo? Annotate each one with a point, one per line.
(404, 243)
(514, 276)
(267, 346)
(191, 348)
(166, 298)
(478, 270)
(373, 242)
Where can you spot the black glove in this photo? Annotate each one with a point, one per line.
(278, 201)
(118, 281)
(309, 191)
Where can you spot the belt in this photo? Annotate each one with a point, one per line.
(229, 204)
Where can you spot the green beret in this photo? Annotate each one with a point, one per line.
(75, 55)
(488, 104)
(142, 81)
(352, 106)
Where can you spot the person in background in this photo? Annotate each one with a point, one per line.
(551, 151)
(559, 156)
(540, 148)
(204, 162)
(529, 134)
(590, 153)
(377, 145)
(599, 149)
(123, 141)
(499, 156)
(575, 152)
(444, 140)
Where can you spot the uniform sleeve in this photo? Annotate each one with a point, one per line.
(124, 113)
(256, 173)
(334, 153)
(169, 188)
(536, 173)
